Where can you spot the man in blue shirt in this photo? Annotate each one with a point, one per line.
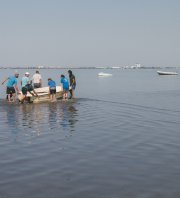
(11, 87)
(65, 84)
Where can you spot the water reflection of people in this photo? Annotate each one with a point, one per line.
(11, 113)
(33, 119)
(30, 116)
(63, 113)
(73, 113)
(52, 111)
(69, 115)
(22, 118)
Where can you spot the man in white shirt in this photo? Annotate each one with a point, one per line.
(37, 80)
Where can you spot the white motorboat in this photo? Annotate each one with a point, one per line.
(104, 74)
(43, 95)
(166, 73)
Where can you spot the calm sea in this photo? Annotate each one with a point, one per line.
(120, 137)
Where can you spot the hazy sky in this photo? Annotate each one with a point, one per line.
(89, 32)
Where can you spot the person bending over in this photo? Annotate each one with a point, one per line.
(65, 85)
(52, 89)
(27, 87)
(11, 87)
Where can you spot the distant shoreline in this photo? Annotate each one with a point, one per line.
(123, 67)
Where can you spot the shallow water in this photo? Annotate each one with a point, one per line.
(118, 138)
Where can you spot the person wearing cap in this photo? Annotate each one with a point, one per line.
(52, 89)
(11, 87)
(65, 84)
(26, 86)
(37, 80)
(72, 87)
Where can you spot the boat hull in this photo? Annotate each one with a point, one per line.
(43, 95)
(166, 73)
(104, 74)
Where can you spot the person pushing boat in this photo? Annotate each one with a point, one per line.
(72, 87)
(27, 87)
(65, 84)
(52, 89)
(37, 80)
(11, 87)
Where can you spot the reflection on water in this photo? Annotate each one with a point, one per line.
(11, 116)
(39, 118)
(59, 115)
(68, 112)
(62, 115)
(105, 148)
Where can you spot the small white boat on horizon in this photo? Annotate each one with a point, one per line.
(167, 73)
(104, 74)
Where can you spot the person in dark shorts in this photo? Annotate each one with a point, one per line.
(11, 87)
(65, 84)
(72, 87)
(37, 80)
(27, 87)
(52, 89)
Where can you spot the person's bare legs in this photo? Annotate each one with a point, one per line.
(66, 95)
(9, 97)
(35, 93)
(72, 92)
(50, 96)
(54, 97)
(23, 99)
(14, 97)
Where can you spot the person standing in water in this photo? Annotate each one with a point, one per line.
(12, 87)
(37, 80)
(72, 80)
(27, 87)
(52, 89)
(65, 84)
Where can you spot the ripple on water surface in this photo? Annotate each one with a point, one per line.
(88, 148)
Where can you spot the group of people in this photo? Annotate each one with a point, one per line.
(68, 86)
(28, 85)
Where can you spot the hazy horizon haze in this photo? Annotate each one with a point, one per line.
(89, 33)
